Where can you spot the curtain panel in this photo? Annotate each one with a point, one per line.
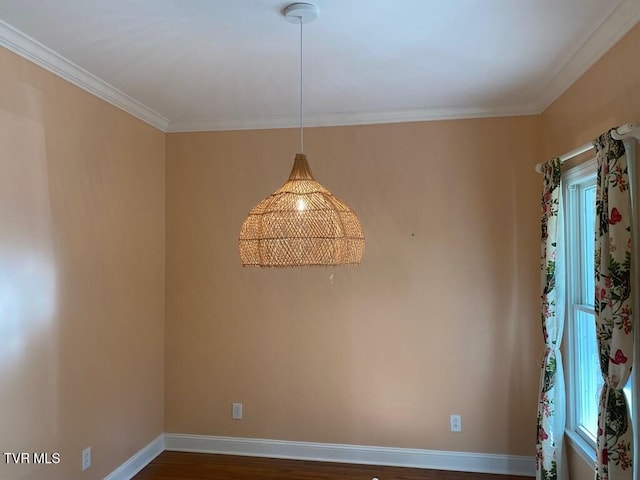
(551, 400)
(614, 325)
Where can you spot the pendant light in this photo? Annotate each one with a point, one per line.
(301, 223)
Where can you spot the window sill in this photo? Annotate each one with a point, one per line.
(586, 452)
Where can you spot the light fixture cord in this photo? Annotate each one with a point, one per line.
(301, 96)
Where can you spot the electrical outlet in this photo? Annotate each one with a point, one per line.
(86, 458)
(456, 423)
(236, 411)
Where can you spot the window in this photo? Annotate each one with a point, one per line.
(585, 380)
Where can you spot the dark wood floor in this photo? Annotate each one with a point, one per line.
(200, 466)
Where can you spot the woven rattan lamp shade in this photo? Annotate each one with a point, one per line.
(301, 224)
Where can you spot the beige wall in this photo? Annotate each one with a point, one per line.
(605, 96)
(82, 190)
(440, 318)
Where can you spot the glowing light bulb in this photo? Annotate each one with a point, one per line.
(301, 204)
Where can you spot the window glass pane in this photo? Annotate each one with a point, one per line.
(589, 378)
(587, 249)
(628, 395)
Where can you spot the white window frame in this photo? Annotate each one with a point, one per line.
(579, 174)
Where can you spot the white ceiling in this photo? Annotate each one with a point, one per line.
(186, 65)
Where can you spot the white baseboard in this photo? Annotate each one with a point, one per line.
(400, 457)
(138, 461)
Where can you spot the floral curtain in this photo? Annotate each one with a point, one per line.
(614, 326)
(551, 401)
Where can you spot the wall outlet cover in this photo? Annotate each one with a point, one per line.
(456, 423)
(236, 411)
(86, 458)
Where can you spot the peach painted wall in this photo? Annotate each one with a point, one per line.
(607, 95)
(441, 317)
(82, 192)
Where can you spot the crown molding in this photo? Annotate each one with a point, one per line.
(35, 52)
(610, 31)
(356, 118)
